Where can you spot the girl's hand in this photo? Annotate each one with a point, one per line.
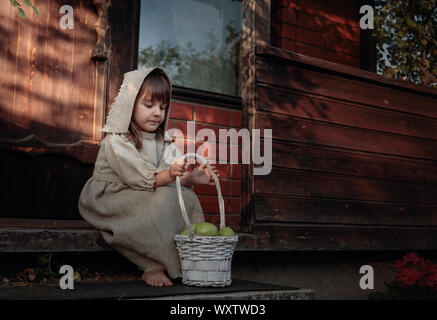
(201, 175)
(177, 169)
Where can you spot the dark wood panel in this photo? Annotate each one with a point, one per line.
(339, 161)
(330, 85)
(44, 186)
(336, 238)
(302, 130)
(311, 210)
(321, 185)
(124, 17)
(315, 107)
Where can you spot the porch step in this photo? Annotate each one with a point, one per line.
(138, 290)
(38, 235)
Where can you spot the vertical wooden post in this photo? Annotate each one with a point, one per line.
(256, 31)
(100, 54)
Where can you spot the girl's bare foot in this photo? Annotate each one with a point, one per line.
(156, 278)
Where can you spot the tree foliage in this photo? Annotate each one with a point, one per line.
(405, 33)
(17, 4)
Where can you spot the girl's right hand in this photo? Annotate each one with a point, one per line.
(177, 169)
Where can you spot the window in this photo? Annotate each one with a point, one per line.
(405, 33)
(196, 41)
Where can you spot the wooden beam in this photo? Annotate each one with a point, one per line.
(292, 58)
(84, 150)
(22, 240)
(256, 31)
(265, 237)
(305, 237)
(51, 240)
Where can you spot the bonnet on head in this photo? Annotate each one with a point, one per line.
(120, 114)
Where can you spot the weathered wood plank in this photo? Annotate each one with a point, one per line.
(51, 224)
(291, 209)
(327, 159)
(308, 106)
(340, 238)
(287, 57)
(56, 236)
(267, 237)
(339, 87)
(48, 240)
(83, 150)
(322, 185)
(322, 133)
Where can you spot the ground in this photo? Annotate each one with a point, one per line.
(25, 269)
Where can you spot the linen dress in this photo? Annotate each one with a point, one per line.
(120, 200)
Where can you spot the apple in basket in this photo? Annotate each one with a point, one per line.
(193, 227)
(226, 232)
(206, 229)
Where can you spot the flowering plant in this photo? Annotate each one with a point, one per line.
(415, 279)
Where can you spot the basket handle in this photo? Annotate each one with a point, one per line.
(219, 192)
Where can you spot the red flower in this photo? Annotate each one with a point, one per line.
(431, 281)
(408, 276)
(413, 270)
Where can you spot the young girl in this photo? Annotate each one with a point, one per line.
(131, 197)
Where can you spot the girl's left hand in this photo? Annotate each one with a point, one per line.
(201, 175)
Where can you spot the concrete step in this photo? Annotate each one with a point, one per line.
(138, 290)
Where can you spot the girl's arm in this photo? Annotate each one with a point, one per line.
(163, 178)
(200, 175)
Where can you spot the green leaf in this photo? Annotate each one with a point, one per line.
(15, 3)
(31, 5)
(21, 12)
(411, 23)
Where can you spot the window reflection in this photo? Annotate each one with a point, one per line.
(196, 41)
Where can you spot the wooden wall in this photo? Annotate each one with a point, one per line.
(57, 87)
(54, 95)
(354, 157)
(326, 29)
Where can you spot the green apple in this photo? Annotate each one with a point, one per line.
(206, 229)
(193, 227)
(226, 232)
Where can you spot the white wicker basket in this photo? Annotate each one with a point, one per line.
(205, 261)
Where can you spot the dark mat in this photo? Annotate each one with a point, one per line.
(125, 290)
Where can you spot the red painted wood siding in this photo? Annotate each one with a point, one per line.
(325, 29)
(349, 148)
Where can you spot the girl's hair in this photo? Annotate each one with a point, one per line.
(158, 86)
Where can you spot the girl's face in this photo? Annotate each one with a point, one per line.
(148, 114)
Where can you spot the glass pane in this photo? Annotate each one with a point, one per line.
(196, 41)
